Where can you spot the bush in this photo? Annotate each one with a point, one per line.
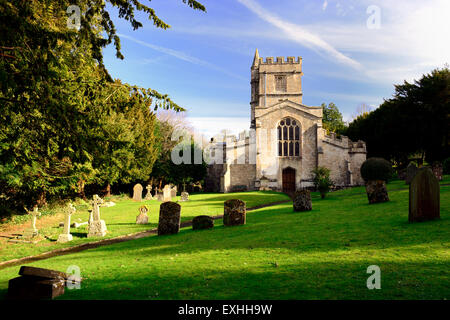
(322, 180)
(446, 166)
(376, 169)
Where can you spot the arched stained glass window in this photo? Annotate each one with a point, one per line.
(288, 138)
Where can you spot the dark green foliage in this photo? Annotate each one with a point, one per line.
(414, 121)
(332, 119)
(322, 180)
(376, 169)
(446, 166)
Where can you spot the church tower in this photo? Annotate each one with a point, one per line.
(273, 81)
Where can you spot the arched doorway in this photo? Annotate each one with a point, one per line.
(288, 180)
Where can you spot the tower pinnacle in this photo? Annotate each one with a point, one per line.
(256, 58)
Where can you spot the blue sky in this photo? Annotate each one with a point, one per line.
(203, 61)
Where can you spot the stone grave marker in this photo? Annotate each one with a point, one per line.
(142, 218)
(173, 192)
(33, 231)
(66, 236)
(167, 193)
(302, 200)
(184, 196)
(411, 171)
(234, 212)
(169, 218)
(97, 227)
(424, 197)
(37, 283)
(202, 222)
(148, 196)
(137, 192)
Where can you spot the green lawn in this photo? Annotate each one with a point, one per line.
(278, 254)
(121, 219)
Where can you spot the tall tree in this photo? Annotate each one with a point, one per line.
(332, 119)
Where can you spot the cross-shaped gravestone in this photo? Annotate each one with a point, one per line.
(184, 186)
(33, 231)
(96, 202)
(66, 236)
(148, 196)
(97, 227)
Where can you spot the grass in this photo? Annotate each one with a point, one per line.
(278, 254)
(121, 220)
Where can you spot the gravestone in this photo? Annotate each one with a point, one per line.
(234, 212)
(66, 236)
(202, 222)
(173, 192)
(142, 218)
(97, 227)
(137, 192)
(37, 283)
(424, 197)
(411, 171)
(302, 200)
(148, 196)
(167, 193)
(376, 191)
(438, 170)
(184, 196)
(169, 218)
(33, 231)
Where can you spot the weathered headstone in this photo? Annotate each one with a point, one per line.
(137, 192)
(169, 218)
(302, 200)
(97, 227)
(438, 170)
(142, 218)
(202, 222)
(37, 283)
(184, 196)
(424, 197)
(167, 193)
(33, 231)
(376, 191)
(148, 196)
(411, 171)
(173, 191)
(66, 236)
(234, 212)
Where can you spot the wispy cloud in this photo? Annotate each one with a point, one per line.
(182, 56)
(325, 5)
(299, 34)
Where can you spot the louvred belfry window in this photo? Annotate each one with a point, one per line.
(288, 138)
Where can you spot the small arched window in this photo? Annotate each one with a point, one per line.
(288, 138)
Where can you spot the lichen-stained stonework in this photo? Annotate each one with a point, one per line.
(257, 158)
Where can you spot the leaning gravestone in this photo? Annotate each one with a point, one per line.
(169, 218)
(202, 222)
(184, 196)
(376, 191)
(37, 283)
(167, 193)
(137, 192)
(411, 171)
(302, 201)
(97, 227)
(438, 170)
(424, 197)
(234, 212)
(142, 218)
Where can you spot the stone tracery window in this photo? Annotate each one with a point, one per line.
(288, 138)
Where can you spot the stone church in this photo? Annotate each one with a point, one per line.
(286, 140)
